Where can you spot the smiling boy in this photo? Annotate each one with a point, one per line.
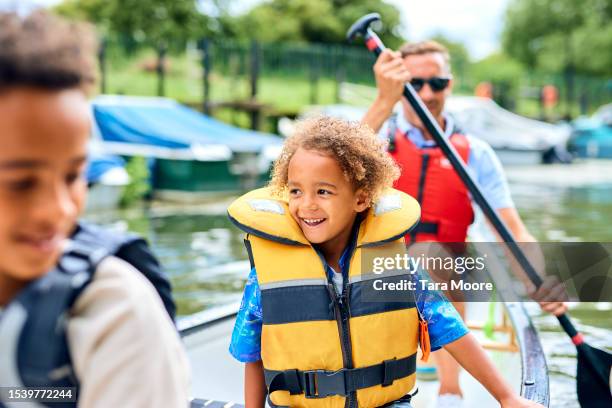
(70, 316)
(304, 330)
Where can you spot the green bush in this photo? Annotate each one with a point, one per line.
(138, 186)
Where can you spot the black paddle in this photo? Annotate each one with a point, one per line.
(594, 365)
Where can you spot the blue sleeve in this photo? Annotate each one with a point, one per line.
(444, 322)
(245, 345)
(486, 167)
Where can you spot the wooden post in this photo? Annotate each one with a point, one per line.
(102, 63)
(569, 90)
(206, 76)
(569, 74)
(510, 345)
(161, 57)
(314, 79)
(340, 73)
(254, 76)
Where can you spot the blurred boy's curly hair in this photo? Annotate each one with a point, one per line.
(362, 156)
(45, 51)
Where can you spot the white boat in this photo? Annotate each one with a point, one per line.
(106, 178)
(517, 140)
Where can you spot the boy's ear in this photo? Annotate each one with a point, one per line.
(363, 200)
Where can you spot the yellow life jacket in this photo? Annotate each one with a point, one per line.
(320, 349)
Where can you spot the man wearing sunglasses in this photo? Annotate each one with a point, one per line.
(428, 176)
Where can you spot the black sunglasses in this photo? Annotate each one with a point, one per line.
(436, 84)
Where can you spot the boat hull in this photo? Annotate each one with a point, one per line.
(188, 180)
(514, 157)
(215, 374)
(102, 197)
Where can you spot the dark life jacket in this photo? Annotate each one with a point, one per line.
(33, 344)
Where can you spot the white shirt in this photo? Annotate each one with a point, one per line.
(125, 349)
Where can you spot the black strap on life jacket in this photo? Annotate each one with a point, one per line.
(134, 250)
(421, 188)
(426, 228)
(322, 383)
(33, 324)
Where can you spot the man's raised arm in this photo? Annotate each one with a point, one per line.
(391, 75)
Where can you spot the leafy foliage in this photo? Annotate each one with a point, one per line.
(151, 22)
(138, 186)
(560, 35)
(460, 57)
(322, 21)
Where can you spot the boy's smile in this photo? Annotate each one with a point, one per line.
(43, 244)
(313, 222)
(322, 200)
(43, 147)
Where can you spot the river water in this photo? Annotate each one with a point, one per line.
(204, 254)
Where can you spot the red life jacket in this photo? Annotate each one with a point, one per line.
(428, 176)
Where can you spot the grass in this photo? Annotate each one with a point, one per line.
(284, 94)
(184, 82)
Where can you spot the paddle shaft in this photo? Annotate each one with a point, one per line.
(375, 45)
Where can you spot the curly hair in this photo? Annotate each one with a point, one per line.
(362, 156)
(46, 51)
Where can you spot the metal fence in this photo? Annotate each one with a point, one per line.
(214, 71)
(331, 61)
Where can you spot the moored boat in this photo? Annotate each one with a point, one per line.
(191, 155)
(592, 137)
(106, 178)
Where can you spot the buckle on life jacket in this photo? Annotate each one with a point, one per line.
(322, 383)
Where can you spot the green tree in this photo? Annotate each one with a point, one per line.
(560, 35)
(498, 67)
(503, 73)
(141, 21)
(323, 21)
(460, 57)
(138, 187)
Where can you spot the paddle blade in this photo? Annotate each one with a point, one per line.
(593, 377)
